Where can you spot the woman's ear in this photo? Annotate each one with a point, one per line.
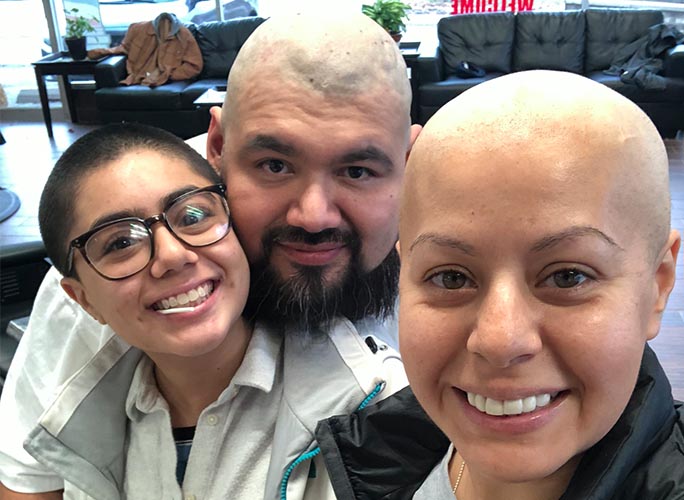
(664, 280)
(75, 290)
(415, 132)
(215, 139)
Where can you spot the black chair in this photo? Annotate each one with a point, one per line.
(22, 269)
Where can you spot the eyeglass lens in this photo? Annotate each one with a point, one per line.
(124, 248)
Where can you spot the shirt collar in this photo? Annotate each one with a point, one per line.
(258, 370)
(259, 366)
(143, 395)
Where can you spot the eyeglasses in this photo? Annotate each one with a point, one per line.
(123, 247)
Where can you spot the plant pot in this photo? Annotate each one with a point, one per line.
(77, 47)
(396, 35)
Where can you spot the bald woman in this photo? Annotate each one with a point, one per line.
(537, 260)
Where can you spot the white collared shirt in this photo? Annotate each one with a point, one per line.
(231, 449)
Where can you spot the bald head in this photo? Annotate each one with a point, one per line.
(339, 57)
(534, 250)
(588, 137)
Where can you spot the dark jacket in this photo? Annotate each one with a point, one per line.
(640, 62)
(386, 451)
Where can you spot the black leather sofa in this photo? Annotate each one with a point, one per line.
(170, 106)
(581, 41)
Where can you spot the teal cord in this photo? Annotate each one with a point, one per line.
(309, 455)
(369, 398)
(288, 472)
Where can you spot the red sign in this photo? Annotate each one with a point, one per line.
(474, 6)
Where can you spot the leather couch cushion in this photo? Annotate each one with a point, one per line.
(610, 30)
(167, 97)
(437, 94)
(220, 42)
(483, 39)
(549, 40)
(673, 94)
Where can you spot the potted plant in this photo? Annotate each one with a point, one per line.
(77, 27)
(390, 14)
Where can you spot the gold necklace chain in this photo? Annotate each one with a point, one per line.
(458, 477)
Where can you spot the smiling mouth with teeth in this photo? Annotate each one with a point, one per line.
(186, 301)
(497, 407)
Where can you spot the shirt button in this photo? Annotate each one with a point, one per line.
(212, 420)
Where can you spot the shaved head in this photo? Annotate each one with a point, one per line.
(312, 143)
(339, 57)
(588, 134)
(536, 258)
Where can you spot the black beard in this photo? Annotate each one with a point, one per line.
(305, 303)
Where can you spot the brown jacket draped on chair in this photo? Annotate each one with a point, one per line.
(157, 51)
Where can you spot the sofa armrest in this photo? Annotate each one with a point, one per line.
(673, 63)
(110, 72)
(430, 65)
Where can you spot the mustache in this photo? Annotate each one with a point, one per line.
(292, 234)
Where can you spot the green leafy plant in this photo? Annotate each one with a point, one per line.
(78, 25)
(390, 14)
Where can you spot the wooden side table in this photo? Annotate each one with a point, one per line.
(63, 65)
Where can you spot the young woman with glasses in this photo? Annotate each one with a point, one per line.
(137, 222)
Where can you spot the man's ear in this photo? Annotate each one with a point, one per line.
(415, 132)
(215, 139)
(75, 290)
(664, 280)
(398, 247)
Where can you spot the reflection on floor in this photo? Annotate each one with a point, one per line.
(27, 158)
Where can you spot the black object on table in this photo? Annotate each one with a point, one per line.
(61, 64)
(211, 97)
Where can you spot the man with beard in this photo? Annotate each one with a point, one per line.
(316, 212)
(311, 141)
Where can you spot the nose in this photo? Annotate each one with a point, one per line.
(170, 254)
(507, 331)
(315, 209)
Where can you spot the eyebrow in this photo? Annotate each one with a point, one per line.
(543, 244)
(267, 142)
(369, 153)
(169, 198)
(443, 241)
(123, 214)
(571, 233)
